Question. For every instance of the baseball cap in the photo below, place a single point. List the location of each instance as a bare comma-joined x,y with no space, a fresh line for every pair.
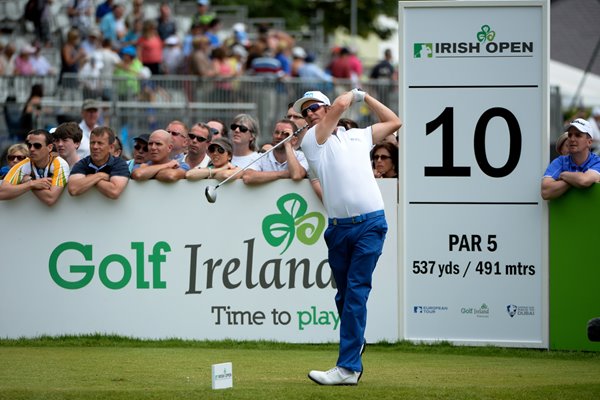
313,95
90,104
224,143
129,50
582,126
298,52
144,137
203,3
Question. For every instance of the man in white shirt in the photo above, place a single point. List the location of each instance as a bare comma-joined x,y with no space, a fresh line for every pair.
340,159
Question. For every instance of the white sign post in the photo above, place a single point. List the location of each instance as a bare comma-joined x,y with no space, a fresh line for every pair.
474,102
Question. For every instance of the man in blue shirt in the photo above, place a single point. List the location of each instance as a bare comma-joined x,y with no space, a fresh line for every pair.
100,169
580,169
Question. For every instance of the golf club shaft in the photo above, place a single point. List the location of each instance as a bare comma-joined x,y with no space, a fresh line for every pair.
263,155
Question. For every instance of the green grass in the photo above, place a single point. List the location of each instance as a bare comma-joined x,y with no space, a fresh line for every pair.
107,367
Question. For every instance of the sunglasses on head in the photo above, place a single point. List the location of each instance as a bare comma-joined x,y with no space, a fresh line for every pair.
139,147
242,128
36,146
213,147
381,157
13,158
312,108
197,137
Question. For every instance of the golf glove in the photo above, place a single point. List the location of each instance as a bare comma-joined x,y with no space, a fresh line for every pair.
358,95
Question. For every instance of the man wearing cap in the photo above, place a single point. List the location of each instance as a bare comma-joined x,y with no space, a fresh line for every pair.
340,159
160,166
580,169
108,174
140,151
89,114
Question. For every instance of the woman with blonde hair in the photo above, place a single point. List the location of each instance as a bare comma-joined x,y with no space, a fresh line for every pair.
14,155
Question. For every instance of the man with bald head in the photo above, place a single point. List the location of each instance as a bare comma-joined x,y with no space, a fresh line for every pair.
160,166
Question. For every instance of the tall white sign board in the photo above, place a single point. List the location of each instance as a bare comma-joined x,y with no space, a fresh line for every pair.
474,102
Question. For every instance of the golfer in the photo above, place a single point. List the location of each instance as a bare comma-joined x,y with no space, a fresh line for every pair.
357,226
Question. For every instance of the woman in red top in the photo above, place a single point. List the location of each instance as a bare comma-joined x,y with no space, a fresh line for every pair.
150,47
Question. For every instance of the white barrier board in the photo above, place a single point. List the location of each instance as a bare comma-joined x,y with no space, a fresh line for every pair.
162,262
474,101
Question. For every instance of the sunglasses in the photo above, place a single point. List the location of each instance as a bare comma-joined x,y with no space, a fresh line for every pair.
381,157
36,146
139,147
199,138
213,148
312,108
14,158
242,128
175,133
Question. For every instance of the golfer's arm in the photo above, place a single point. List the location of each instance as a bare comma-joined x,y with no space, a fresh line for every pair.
389,121
552,189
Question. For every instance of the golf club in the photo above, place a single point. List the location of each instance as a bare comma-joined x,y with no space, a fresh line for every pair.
211,191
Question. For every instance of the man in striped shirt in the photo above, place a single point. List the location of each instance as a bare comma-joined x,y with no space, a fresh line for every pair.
41,173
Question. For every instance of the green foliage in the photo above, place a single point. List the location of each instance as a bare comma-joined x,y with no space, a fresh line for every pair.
337,14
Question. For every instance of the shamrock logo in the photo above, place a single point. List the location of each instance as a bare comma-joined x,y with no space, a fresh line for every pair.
292,221
486,33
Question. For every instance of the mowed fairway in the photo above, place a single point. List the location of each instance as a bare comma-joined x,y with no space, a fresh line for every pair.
118,368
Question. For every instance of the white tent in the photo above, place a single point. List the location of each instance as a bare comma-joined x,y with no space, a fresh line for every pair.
568,79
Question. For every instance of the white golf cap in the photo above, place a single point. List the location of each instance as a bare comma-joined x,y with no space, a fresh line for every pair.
313,95
582,126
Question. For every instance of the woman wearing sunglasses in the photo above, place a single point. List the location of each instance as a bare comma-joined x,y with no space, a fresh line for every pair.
384,160
244,132
220,152
15,154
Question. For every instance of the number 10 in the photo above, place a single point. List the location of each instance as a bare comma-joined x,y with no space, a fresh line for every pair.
446,121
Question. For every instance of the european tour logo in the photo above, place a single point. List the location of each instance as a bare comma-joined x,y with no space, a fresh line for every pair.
292,221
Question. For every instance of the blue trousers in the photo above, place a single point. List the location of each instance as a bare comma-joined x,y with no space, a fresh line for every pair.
354,249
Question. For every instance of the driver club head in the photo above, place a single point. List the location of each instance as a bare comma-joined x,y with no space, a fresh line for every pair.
211,193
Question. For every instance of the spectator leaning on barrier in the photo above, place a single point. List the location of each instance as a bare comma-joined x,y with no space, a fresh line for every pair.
221,168
140,151
244,132
281,163
580,169
41,173
102,170
160,166
67,138
198,139
179,131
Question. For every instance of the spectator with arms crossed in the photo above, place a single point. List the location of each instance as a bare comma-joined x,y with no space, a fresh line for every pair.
160,166
580,168
109,174
283,162
41,173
